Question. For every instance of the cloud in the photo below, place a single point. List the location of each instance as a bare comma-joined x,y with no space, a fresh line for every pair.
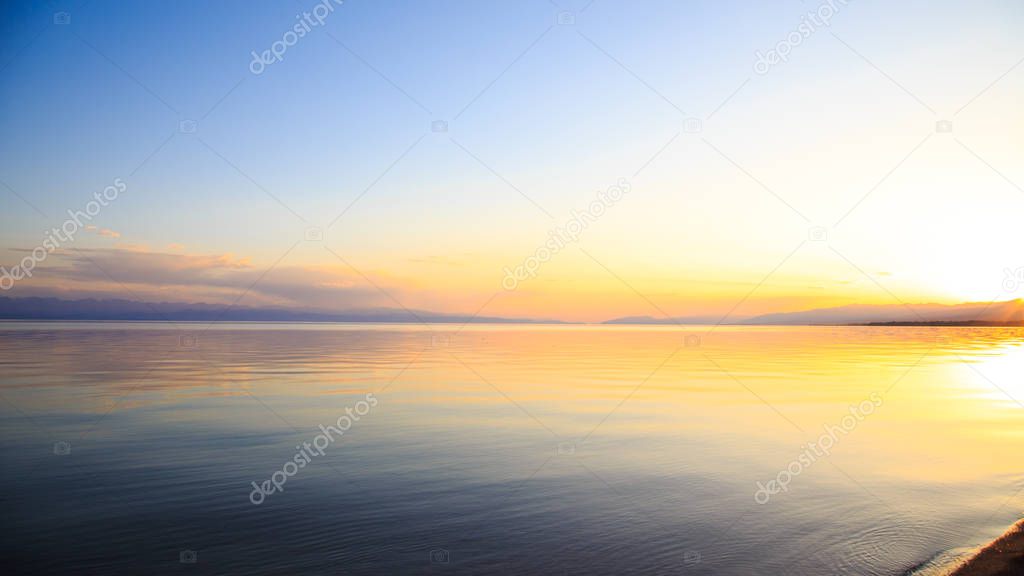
138,273
435,260
106,232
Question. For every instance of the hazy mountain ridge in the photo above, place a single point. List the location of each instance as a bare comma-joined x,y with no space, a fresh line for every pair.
48,308
1010,313
662,321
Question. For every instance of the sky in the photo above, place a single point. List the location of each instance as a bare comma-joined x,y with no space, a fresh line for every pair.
559,159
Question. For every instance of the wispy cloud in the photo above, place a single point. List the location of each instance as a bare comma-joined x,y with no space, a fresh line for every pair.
213,278
105,232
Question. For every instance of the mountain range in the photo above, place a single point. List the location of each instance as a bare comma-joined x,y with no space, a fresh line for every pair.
1007,313
48,308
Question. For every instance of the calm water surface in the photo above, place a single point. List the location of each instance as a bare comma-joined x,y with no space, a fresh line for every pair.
505,449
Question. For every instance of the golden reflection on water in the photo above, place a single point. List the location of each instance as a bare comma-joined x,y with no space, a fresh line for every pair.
953,398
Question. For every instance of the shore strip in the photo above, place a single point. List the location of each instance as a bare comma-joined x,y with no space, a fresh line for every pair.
1003,557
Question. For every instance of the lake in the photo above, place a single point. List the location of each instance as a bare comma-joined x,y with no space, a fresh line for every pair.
158,448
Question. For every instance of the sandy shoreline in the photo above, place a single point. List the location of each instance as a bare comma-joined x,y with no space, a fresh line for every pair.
1002,557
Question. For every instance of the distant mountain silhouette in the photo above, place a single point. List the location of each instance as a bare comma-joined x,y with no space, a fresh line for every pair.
662,321
40,308
1009,313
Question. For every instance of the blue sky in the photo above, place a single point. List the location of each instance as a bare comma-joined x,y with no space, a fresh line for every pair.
555,111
